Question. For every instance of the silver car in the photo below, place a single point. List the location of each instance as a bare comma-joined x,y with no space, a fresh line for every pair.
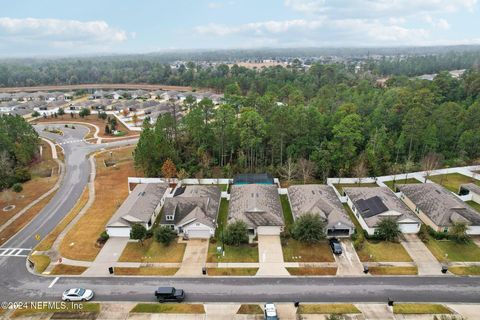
77,294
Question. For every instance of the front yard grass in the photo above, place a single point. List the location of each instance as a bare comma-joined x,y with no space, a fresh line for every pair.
87,307
452,181
401,181
474,205
67,269
40,262
447,250
145,271
181,308
243,253
110,191
232,271
393,271
250,309
296,251
341,186
334,308
383,251
222,217
307,271
465,271
420,308
153,251
287,211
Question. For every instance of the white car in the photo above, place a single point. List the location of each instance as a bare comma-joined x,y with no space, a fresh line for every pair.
77,294
270,312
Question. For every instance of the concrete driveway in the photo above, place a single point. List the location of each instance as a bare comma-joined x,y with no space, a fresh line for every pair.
427,264
270,256
195,258
348,262
107,257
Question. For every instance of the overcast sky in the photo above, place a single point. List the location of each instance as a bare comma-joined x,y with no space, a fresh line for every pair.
65,27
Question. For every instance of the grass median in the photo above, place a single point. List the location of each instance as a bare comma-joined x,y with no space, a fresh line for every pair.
168,308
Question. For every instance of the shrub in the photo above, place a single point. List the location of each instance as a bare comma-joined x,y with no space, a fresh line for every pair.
309,228
17,187
388,229
35,114
236,233
103,237
138,232
165,235
85,112
149,233
22,174
423,233
437,235
458,232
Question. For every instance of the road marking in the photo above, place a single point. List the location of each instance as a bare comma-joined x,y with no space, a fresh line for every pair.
53,282
13,252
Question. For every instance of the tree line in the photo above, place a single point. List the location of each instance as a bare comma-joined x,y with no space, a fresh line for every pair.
327,121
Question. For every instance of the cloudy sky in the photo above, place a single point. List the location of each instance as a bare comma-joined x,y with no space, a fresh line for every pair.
66,27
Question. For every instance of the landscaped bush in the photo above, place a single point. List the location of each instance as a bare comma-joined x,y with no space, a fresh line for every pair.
236,233
22,174
103,237
17,187
309,228
437,235
165,235
423,233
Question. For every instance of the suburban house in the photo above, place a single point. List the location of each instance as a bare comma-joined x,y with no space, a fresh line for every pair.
322,200
370,205
438,207
193,210
142,206
471,189
258,205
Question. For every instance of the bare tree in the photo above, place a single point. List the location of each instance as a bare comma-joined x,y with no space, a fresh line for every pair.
360,170
288,170
306,169
429,163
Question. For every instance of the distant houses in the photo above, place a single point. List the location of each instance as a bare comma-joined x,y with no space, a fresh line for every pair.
438,207
371,205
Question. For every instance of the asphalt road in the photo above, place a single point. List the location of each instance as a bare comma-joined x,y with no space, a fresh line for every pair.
18,284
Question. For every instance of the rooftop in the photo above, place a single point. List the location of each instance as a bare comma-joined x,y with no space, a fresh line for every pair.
439,204
256,205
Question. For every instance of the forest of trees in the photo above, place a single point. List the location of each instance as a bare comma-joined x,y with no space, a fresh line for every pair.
327,121
18,147
156,69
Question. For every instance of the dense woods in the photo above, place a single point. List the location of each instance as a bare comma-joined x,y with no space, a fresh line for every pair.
18,147
327,121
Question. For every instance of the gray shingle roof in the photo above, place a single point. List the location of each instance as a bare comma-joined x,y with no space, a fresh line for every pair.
139,205
439,204
256,205
392,206
198,202
318,199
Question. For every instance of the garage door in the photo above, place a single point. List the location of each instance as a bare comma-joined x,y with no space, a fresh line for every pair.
268,231
198,233
409,227
119,232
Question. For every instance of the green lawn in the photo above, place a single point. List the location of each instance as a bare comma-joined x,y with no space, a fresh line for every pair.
243,253
232,271
465,271
153,251
287,211
77,308
393,271
41,262
383,251
334,308
168,308
420,308
462,252
340,186
452,181
250,309
222,217
474,205
296,251
401,181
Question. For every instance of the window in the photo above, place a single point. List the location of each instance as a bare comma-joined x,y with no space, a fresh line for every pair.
169,218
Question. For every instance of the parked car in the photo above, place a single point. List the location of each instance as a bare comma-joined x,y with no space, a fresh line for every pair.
164,294
77,294
336,246
270,312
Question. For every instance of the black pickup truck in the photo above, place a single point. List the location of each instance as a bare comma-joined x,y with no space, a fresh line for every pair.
164,294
